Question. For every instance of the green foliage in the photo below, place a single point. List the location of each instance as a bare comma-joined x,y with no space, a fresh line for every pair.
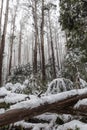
59,121
59,85
73,23
73,15
73,60
21,73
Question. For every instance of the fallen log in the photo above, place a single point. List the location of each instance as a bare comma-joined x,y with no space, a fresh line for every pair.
45,105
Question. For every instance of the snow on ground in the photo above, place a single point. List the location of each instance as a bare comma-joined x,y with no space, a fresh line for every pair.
31,125
2,110
14,98
73,125
81,102
66,117
1,100
15,87
48,117
83,83
53,117
35,102
9,97
9,86
31,101
3,91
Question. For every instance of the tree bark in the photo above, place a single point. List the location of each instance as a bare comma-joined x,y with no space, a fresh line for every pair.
3,40
34,11
1,9
57,53
20,43
39,47
48,41
42,44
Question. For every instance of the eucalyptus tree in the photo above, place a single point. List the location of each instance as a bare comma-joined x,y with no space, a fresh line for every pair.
36,8
32,11
49,8
35,18
42,43
2,47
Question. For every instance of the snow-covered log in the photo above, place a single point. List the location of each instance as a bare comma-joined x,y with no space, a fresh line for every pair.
58,103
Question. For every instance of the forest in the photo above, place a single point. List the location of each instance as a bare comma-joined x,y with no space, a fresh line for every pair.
43,65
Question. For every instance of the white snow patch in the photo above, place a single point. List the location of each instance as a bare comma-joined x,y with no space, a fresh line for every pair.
73,125
1,100
3,91
2,111
83,83
81,102
48,117
35,102
9,86
30,125
16,87
14,98
26,82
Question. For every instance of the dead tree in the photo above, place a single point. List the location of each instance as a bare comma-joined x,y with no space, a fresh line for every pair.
63,106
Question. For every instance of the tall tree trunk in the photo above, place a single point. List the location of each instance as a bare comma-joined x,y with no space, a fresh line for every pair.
42,44
57,54
1,9
28,50
48,42
20,42
32,50
39,47
3,40
52,47
14,58
10,60
11,48
34,10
